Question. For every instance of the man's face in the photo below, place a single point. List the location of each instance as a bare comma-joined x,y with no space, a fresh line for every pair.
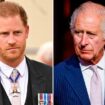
13,35
88,38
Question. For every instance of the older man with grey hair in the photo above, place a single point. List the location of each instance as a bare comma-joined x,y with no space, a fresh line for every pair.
79,80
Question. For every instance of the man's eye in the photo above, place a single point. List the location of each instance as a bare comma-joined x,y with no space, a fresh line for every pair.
4,33
17,32
76,32
91,35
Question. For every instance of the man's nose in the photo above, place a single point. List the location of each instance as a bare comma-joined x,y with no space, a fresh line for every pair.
84,40
11,39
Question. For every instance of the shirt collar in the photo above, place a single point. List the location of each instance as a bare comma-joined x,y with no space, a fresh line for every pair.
7,70
84,67
100,64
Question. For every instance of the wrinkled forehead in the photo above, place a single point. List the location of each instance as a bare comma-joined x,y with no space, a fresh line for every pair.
90,17
92,10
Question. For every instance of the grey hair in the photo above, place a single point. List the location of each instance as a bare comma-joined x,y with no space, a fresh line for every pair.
97,8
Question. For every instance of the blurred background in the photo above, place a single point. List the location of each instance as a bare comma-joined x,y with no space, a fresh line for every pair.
63,43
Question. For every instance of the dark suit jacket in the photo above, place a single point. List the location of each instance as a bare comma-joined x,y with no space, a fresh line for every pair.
40,78
69,86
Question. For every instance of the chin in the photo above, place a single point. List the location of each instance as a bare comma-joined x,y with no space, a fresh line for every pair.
13,57
86,57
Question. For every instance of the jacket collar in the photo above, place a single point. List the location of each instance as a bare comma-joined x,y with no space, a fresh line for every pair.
75,78
37,80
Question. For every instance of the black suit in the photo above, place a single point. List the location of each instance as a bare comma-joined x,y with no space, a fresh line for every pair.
40,81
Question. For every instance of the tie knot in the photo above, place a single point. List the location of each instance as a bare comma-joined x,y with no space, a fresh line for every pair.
14,75
94,68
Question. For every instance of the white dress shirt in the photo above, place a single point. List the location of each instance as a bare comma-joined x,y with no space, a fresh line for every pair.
5,72
87,74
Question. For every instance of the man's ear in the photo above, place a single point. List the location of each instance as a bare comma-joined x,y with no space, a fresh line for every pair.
27,31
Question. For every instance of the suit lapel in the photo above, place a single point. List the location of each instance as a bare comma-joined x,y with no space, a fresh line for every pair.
75,78
1,100
37,81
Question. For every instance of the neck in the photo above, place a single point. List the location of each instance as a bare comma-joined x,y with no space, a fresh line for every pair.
14,62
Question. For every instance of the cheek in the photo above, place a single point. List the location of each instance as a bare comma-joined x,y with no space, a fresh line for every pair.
3,44
22,42
76,43
76,40
98,44
22,39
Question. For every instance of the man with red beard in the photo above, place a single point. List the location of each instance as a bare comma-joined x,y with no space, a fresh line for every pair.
33,77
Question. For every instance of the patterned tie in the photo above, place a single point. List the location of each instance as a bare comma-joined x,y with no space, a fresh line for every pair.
95,88
15,92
